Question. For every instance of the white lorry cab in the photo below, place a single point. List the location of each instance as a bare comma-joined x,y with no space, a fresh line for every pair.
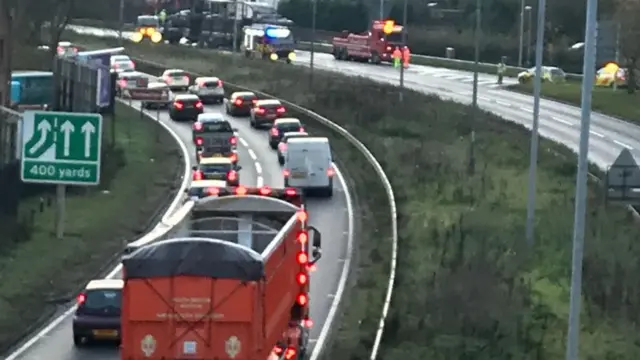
308,165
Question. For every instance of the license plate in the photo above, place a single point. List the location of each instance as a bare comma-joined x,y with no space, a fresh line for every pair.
216,155
105,333
271,116
298,174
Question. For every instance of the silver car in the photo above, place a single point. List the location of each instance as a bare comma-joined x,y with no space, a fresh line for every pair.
209,89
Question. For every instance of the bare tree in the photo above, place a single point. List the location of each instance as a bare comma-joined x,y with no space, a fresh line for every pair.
627,15
41,20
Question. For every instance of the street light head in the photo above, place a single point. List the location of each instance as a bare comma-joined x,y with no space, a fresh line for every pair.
432,4
527,8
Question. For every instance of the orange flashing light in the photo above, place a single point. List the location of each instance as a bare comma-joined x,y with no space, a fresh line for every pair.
388,27
302,216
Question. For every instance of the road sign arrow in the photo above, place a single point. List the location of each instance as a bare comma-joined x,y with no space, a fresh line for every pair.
67,128
87,129
44,127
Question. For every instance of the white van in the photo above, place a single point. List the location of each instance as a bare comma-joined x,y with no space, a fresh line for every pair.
308,165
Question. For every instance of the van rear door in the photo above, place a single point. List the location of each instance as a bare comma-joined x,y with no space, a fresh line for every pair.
309,164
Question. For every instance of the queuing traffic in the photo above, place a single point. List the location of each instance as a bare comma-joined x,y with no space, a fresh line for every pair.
307,169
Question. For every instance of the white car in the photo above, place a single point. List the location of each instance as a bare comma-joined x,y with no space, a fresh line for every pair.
176,79
209,90
122,63
308,165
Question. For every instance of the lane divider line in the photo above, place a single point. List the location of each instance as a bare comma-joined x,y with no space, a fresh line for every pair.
623,144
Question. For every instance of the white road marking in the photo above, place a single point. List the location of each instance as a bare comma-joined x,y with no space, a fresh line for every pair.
527,109
623,144
251,153
258,168
564,121
503,103
244,142
596,133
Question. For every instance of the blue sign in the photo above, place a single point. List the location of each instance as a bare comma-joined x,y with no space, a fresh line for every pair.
101,60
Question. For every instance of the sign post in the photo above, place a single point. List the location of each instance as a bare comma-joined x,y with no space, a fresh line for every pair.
63,149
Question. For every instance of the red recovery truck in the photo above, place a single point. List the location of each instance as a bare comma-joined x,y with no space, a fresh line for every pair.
375,45
232,284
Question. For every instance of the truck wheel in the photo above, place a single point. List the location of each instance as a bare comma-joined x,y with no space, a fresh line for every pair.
375,58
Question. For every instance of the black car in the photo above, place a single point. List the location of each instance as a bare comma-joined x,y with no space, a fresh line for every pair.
241,103
186,108
282,126
217,169
97,317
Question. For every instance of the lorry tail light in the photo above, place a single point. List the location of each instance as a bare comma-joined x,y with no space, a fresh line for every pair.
303,237
290,353
302,279
234,157
213,191
291,195
302,299
302,258
265,191
302,216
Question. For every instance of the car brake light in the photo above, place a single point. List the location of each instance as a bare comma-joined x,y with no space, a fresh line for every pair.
282,147
331,172
178,105
132,64
123,83
233,140
274,132
281,110
81,298
199,141
199,105
260,110
220,83
197,175
60,50
286,172
168,79
238,102
254,101
232,175
301,129
197,126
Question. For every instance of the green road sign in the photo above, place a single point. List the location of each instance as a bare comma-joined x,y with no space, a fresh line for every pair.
61,148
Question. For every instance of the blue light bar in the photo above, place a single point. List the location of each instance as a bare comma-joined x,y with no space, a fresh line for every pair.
277,32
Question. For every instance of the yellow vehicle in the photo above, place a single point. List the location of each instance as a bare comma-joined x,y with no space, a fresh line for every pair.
269,42
203,188
549,74
147,27
610,74
217,169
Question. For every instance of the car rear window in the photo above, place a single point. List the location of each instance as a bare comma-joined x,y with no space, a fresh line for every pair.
178,74
270,106
215,127
188,100
215,168
209,84
103,300
289,127
248,97
287,138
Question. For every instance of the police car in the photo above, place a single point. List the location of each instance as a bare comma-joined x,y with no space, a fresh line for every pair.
217,169
204,188
267,41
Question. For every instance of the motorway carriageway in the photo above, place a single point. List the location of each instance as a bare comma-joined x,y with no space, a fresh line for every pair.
333,217
559,122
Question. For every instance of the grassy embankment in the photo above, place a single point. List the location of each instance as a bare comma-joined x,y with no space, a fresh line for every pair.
467,285
39,273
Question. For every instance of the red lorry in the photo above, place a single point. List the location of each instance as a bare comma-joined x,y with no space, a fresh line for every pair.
376,45
233,285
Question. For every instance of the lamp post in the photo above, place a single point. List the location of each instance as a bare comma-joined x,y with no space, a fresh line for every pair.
527,9
121,23
474,107
313,39
404,43
521,33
